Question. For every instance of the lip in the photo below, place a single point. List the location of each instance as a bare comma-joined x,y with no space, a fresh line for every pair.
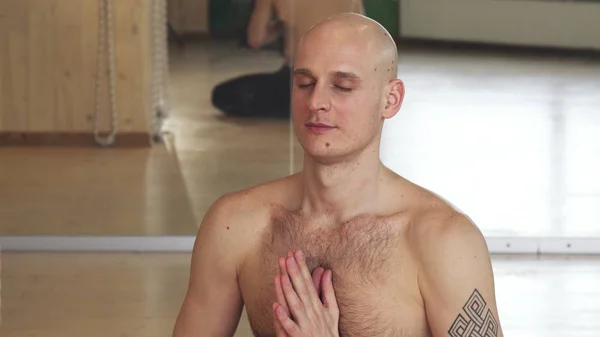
319,127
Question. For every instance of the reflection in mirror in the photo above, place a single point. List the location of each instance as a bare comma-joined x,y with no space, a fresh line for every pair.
230,86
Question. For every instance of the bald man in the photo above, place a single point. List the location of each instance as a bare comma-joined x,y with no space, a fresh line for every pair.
268,94
402,261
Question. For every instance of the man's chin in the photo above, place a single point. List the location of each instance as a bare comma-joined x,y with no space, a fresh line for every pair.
324,156
317,149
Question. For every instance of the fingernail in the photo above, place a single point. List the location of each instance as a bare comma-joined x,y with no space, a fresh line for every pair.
290,261
299,255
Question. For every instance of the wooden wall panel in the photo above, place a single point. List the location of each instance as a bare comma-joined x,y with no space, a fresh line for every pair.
189,16
48,61
196,15
42,67
174,14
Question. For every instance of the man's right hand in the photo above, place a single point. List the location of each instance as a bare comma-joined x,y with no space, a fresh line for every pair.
317,309
317,276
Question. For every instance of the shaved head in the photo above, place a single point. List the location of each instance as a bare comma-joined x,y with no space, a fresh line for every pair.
358,30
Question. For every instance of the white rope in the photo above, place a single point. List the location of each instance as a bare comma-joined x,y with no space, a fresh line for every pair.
160,98
106,40
159,109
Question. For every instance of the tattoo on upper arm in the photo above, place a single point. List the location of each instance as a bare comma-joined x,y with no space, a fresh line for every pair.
478,320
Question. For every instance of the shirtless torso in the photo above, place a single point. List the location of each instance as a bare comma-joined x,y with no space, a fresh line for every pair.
404,261
375,270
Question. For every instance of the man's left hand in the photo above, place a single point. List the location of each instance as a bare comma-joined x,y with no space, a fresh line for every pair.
299,311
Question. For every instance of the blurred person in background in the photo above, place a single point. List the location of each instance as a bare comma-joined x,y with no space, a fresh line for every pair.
268,94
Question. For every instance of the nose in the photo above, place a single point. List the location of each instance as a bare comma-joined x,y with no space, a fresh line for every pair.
319,99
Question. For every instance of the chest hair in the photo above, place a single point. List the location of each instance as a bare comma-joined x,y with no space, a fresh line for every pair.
360,246
358,252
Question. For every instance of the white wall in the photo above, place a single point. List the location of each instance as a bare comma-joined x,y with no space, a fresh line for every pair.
537,22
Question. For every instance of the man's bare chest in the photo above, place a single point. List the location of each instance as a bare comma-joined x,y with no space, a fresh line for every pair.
371,278
362,245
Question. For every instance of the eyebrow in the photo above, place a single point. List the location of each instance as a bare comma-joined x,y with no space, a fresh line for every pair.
348,75
303,71
336,74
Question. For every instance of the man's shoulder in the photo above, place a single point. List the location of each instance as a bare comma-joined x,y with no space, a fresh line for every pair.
437,225
234,222
249,206
445,243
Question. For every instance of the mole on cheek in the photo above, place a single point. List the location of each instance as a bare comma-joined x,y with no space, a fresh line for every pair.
327,144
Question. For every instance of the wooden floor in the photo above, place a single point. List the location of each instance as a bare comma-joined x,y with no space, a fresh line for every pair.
513,140
61,191
138,295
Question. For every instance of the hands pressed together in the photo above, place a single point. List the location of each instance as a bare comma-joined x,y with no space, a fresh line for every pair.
306,305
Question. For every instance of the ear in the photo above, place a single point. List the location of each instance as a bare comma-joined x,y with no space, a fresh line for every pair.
394,99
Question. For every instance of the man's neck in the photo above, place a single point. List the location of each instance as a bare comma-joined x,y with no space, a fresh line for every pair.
345,189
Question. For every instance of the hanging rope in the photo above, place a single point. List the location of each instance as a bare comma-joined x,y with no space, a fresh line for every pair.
106,42
159,109
160,98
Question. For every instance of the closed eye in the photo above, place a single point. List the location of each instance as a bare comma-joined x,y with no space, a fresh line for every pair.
304,86
343,89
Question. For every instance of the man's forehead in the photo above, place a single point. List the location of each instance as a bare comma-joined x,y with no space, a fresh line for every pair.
342,57
332,47
335,66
